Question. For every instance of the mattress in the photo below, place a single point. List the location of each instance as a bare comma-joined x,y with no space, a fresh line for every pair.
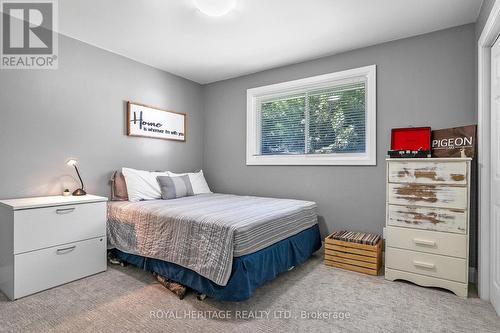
205,232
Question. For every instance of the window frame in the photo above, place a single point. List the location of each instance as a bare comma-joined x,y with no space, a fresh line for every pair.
254,95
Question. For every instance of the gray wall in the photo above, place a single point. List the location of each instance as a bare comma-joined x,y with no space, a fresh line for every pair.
79,111
426,80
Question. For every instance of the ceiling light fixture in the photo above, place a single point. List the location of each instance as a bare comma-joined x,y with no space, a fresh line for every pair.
215,7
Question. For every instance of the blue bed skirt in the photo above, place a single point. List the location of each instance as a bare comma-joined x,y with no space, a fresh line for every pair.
248,273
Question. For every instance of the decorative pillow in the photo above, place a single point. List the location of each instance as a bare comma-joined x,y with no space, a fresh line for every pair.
118,187
175,187
142,185
198,182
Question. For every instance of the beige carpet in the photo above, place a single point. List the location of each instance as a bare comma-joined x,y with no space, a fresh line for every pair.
128,300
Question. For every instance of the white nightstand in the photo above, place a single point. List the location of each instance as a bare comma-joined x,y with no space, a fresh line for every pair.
49,241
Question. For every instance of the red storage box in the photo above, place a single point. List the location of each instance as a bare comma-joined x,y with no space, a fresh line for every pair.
412,138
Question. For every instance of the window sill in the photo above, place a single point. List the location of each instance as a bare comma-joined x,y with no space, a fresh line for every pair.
337,159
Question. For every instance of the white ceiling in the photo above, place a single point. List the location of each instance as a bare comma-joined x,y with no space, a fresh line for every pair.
258,34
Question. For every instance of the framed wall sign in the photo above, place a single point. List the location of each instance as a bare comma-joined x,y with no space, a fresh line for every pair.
148,121
451,142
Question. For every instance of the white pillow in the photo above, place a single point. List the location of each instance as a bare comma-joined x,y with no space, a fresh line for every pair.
142,185
198,182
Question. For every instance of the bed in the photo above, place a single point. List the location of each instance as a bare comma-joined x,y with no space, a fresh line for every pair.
221,245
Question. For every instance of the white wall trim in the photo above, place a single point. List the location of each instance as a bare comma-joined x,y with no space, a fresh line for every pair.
486,40
290,87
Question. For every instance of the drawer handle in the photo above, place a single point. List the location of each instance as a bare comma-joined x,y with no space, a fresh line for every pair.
423,264
424,242
65,211
66,250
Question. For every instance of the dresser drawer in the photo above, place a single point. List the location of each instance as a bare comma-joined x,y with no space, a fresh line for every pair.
441,196
427,218
427,241
428,173
45,227
39,270
449,268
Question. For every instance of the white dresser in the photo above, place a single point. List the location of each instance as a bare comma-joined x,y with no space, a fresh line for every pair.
49,241
427,224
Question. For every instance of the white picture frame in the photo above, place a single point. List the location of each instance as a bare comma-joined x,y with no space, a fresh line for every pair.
152,122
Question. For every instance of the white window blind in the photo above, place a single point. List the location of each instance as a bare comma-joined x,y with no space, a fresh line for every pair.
328,119
325,121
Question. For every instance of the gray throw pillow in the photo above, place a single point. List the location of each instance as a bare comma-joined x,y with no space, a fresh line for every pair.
175,187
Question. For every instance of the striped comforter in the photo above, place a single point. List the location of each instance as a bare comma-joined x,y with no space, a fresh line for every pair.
204,232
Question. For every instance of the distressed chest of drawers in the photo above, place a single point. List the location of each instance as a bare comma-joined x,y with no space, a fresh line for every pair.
427,222
49,241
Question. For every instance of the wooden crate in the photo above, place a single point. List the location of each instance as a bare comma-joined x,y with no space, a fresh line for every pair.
356,257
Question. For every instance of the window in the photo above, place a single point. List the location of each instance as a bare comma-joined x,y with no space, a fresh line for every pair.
322,120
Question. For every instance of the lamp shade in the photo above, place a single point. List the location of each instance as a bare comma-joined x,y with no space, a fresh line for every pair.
72,162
